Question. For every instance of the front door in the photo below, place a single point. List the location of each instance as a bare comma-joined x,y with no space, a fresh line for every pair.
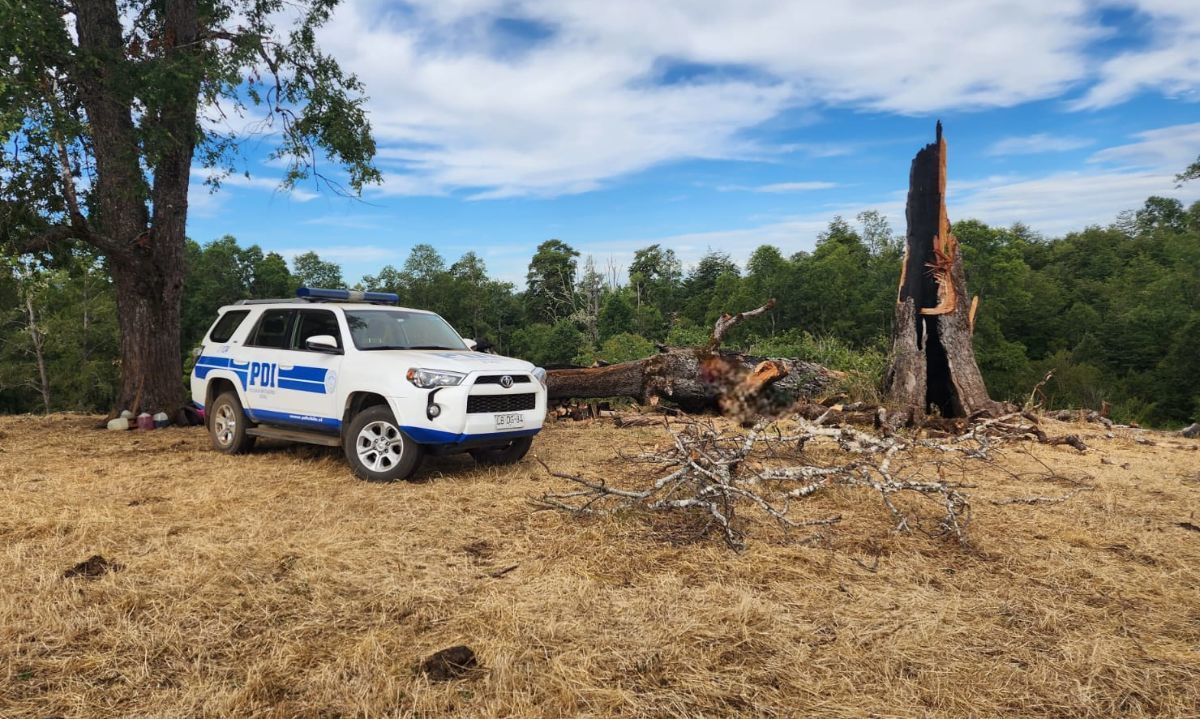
305,380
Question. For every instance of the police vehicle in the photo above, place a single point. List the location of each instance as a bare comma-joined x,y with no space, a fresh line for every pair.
343,368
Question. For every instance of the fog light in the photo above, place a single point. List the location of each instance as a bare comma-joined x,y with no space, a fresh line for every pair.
434,410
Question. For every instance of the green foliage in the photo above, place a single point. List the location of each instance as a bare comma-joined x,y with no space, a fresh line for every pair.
309,270
616,317
654,277
687,334
548,345
65,317
625,347
550,283
1191,172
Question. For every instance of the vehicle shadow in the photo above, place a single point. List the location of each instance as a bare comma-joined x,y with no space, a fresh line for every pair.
432,467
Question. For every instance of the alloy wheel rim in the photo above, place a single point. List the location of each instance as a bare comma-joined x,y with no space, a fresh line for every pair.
225,425
379,446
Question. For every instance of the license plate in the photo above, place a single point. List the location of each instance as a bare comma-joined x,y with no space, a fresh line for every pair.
508,421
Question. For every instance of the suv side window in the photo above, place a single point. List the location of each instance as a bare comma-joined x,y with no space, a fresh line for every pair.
227,325
315,322
273,330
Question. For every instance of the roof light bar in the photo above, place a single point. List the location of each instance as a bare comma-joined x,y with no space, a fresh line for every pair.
315,294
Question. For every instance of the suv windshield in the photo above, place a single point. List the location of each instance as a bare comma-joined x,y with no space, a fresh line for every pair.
401,330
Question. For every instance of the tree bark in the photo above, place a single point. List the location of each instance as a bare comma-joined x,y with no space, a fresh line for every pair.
933,365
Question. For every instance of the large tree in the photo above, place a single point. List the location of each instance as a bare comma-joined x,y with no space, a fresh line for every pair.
550,283
102,113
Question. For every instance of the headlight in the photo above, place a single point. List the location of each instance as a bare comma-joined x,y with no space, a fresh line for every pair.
540,374
430,378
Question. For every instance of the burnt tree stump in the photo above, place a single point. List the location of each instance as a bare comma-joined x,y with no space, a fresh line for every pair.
933,365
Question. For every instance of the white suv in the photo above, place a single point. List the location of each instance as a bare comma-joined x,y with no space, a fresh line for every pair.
350,369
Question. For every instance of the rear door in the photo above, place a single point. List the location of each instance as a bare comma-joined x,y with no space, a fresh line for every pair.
266,344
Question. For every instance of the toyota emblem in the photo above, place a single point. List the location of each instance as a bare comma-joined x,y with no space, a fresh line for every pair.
506,381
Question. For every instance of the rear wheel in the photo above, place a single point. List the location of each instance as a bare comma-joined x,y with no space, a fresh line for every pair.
377,449
510,453
227,425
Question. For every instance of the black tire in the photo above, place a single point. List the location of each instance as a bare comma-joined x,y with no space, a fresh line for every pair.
511,453
227,425
377,449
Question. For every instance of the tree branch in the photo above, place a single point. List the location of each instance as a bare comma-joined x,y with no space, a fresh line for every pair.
727,322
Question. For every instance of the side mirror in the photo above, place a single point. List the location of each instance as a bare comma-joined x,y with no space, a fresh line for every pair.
323,343
471,344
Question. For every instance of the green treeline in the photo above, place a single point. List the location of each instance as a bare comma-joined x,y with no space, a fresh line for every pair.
1115,311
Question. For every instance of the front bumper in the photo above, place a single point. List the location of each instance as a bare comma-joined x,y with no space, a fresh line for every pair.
456,426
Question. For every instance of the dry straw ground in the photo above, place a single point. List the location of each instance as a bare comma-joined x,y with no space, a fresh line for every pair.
275,585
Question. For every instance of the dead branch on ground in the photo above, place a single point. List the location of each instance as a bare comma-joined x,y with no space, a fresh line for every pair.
720,474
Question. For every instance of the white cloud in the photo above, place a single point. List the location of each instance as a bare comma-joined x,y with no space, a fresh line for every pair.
1037,143
1166,148
1065,201
608,89
1170,63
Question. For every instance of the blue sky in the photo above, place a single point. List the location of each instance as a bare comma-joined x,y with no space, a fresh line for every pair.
703,125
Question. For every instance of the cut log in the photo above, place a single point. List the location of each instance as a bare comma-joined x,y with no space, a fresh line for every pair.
698,379
933,365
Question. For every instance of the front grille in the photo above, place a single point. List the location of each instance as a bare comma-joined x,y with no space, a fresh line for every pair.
495,379
492,403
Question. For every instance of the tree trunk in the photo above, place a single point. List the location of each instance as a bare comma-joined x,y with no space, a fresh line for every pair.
145,251
37,339
698,379
695,380
933,364
148,314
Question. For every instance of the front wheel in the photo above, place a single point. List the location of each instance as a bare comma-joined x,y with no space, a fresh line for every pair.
377,449
510,453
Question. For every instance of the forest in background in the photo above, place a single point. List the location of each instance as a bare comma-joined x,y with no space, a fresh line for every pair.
1114,311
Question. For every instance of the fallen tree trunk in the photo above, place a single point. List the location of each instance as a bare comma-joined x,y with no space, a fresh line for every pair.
698,379
933,364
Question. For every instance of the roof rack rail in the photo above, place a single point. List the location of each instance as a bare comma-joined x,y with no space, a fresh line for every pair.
317,294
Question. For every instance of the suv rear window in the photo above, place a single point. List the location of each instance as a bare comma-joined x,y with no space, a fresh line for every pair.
227,325
274,329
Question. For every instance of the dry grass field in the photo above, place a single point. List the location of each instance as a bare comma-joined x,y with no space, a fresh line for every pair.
276,585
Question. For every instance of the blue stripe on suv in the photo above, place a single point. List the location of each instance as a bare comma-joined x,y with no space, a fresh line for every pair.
424,435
